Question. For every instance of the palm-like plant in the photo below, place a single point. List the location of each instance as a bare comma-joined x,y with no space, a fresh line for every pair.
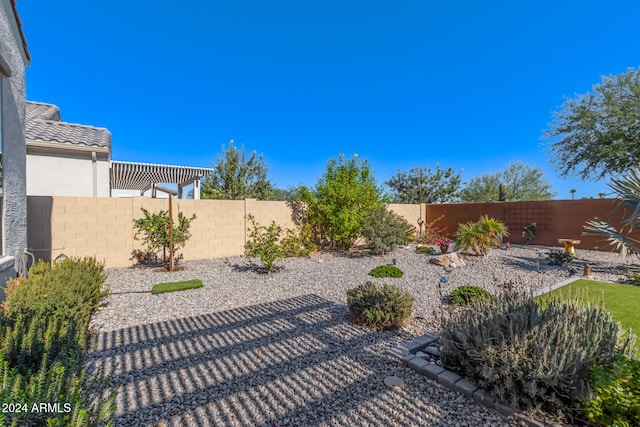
480,236
627,189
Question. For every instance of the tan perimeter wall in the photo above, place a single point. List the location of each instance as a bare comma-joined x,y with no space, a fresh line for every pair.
103,227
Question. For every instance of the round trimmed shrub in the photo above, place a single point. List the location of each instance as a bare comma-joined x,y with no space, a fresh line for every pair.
465,295
380,305
386,271
425,249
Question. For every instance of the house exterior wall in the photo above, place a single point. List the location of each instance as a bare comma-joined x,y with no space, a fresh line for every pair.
14,206
66,174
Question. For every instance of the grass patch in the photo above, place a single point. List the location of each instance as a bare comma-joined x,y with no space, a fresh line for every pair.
176,286
619,299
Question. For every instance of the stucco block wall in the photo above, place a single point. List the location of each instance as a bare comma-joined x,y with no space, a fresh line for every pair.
14,212
103,227
49,174
554,218
409,212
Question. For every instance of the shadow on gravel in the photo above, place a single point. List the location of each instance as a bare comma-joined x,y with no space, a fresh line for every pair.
297,362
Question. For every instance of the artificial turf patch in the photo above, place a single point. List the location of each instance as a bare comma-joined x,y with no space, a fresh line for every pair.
176,286
619,299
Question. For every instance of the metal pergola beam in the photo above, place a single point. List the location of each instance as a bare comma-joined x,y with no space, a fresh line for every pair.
142,176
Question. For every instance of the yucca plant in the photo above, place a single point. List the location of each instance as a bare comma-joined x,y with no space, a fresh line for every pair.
627,189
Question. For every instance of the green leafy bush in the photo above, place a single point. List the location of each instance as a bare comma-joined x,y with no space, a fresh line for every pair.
386,271
343,197
153,230
633,278
425,249
480,236
39,268
533,354
264,243
380,305
559,257
384,230
298,242
528,233
44,335
465,295
616,398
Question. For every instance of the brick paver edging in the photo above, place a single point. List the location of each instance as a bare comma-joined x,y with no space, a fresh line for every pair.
405,352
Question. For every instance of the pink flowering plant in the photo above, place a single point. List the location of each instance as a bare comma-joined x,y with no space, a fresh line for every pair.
443,240
433,232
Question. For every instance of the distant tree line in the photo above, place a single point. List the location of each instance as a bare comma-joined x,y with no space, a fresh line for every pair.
237,176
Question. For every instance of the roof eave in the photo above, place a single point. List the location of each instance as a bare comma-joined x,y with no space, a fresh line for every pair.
25,49
66,146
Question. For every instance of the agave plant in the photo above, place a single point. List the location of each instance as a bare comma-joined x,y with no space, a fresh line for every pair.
480,236
627,189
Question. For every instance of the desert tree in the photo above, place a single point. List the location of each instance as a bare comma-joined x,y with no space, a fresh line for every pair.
596,134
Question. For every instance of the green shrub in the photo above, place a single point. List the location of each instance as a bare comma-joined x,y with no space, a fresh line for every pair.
264,243
44,335
532,354
480,236
633,278
39,268
425,249
344,196
386,271
153,230
616,399
380,306
559,257
465,295
384,230
298,242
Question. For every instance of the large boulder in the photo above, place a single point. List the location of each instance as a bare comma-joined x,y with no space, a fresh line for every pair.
448,260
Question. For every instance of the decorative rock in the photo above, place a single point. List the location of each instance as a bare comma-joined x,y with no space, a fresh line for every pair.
432,350
421,354
394,382
452,260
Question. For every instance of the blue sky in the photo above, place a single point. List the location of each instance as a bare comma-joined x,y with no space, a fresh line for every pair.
466,84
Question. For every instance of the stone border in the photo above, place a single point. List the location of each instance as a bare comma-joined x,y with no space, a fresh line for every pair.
559,285
405,352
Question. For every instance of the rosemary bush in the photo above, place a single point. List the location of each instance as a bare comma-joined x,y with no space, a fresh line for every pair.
44,335
533,354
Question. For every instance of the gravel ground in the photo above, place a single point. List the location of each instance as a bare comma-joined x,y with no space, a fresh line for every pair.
250,349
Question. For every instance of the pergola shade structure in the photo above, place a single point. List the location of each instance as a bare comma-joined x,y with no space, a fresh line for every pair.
145,176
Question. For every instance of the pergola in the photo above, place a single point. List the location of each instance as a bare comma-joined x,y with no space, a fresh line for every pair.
145,176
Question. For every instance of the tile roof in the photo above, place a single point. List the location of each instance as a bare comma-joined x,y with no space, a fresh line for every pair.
41,110
43,124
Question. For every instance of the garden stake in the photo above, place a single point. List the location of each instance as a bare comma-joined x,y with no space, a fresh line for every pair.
170,234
